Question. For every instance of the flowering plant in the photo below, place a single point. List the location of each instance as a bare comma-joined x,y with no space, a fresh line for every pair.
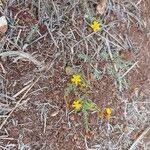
79,87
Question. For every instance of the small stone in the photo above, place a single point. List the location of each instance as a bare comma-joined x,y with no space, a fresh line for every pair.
55,113
3,24
1,4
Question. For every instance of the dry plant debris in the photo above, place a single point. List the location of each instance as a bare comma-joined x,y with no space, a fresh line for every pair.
74,75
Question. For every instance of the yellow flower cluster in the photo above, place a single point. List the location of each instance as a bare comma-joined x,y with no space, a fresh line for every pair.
77,104
96,26
76,79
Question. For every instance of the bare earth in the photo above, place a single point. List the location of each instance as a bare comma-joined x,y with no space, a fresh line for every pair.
45,36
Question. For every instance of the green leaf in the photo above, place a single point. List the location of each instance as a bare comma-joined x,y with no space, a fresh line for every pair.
104,55
84,57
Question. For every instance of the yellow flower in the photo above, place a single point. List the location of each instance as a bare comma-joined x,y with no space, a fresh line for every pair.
108,112
77,104
95,25
76,79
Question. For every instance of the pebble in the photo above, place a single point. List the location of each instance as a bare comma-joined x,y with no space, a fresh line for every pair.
3,24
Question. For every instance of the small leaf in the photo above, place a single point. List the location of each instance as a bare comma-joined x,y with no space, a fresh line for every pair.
104,55
83,57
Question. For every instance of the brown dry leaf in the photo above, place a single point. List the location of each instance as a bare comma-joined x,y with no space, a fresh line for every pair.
89,134
126,55
3,24
101,7
134,135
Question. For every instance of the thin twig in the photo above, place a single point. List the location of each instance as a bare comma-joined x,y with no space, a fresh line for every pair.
129,69
22,90
22,55
139,138
18,103
111,56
